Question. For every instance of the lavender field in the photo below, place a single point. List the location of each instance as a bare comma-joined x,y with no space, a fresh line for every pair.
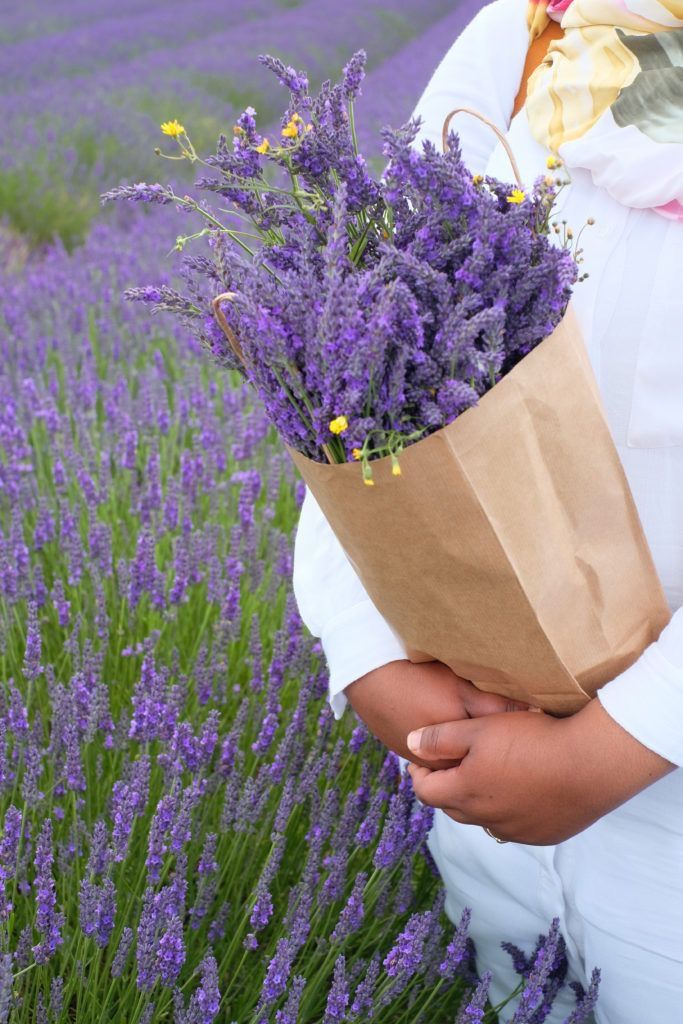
187,834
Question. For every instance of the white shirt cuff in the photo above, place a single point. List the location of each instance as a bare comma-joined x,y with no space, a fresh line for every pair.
647,699
356,641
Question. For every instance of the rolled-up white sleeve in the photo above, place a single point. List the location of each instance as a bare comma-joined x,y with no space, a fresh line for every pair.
335,606
647,699
482,69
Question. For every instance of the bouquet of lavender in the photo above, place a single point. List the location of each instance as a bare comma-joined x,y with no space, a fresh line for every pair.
370,315
367,314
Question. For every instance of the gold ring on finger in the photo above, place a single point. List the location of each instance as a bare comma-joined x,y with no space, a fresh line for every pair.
490,833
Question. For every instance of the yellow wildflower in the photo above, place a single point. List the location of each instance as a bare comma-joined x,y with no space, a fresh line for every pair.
477,179
395,468
237,130
356,452
296,119
290,131
368,481
264,147
553,161
339,425
172,128
516,196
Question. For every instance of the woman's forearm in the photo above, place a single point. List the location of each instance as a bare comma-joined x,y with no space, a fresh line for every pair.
402,696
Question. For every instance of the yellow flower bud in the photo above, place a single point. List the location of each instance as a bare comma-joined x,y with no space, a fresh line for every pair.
395,468
172,128
339,425
477,179
357,453
263,147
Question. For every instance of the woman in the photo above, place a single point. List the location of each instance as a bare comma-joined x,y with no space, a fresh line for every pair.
588,810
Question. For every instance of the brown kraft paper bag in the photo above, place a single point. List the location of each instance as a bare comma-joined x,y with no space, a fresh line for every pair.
510,547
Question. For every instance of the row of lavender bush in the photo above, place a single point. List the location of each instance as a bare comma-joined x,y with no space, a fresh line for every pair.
187,834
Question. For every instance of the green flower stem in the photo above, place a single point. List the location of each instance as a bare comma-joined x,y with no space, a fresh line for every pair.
352,126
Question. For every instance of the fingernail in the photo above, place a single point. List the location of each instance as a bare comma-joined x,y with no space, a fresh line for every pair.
413,740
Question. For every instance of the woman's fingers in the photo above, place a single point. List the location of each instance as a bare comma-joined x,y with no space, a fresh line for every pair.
438,789
445,740
478,702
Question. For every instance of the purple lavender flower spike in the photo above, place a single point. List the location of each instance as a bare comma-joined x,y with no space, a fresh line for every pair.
472,1010
361,1007
217,926
338,996
205,1001
97,910
6,981
367,830
541,977
277,973
49,920
289,1014
262,910
9,852
32,667
56,996
457,950
170,951
295,81
122,951
359,736
405,891
405,956
354,73
394,834
585,1000
139,193
352,914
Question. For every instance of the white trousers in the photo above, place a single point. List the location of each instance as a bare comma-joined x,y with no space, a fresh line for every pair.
617,888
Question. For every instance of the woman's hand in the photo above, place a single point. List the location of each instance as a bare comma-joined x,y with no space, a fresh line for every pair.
533,778
401,696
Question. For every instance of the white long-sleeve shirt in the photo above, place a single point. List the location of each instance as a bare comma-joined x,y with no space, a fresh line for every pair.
631,313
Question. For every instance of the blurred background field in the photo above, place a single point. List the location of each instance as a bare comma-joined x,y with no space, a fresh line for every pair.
85,86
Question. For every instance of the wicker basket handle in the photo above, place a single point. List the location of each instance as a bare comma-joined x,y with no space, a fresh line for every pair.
492,126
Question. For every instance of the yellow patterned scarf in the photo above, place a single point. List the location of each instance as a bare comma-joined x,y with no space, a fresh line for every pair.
608,97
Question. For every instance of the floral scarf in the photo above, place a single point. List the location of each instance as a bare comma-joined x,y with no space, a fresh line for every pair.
608,97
